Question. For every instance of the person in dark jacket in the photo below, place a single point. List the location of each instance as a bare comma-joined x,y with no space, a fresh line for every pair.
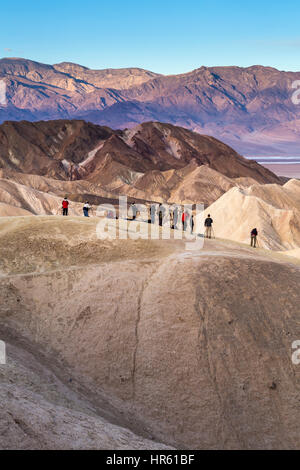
208,226
192,223
254,234
162,215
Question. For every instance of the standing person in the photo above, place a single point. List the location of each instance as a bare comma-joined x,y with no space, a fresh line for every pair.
133,210
185,219
171,218
153,213
208,226
86,209
161,214
65,206
192,223
175,217
165,215
254,234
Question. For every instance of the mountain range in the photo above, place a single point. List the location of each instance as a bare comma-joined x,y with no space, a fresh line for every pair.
250,108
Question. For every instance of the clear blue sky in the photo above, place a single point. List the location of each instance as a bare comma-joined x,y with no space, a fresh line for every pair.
166,36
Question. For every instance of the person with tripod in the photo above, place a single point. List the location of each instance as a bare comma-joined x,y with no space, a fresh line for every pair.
254,234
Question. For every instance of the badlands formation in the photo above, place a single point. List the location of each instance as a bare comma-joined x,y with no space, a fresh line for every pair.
273,209
143,344
42,162
153,162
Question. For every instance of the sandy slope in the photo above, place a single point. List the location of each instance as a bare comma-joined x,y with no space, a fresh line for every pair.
18,199
191,348
274,210
295,253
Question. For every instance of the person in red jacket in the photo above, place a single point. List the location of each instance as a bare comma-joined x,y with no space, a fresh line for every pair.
185,217
65,206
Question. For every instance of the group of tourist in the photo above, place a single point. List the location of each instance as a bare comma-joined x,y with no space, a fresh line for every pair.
174,216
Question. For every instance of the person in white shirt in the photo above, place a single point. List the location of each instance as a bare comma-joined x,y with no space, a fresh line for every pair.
86,209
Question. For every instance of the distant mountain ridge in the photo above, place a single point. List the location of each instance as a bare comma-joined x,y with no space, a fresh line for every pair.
75,150
250,108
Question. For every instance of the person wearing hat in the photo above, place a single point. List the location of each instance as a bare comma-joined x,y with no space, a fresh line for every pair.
65,206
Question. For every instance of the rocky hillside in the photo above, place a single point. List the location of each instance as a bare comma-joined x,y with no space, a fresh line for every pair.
44,161
79,150
249,108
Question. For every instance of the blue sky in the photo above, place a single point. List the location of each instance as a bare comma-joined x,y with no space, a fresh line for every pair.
163,36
